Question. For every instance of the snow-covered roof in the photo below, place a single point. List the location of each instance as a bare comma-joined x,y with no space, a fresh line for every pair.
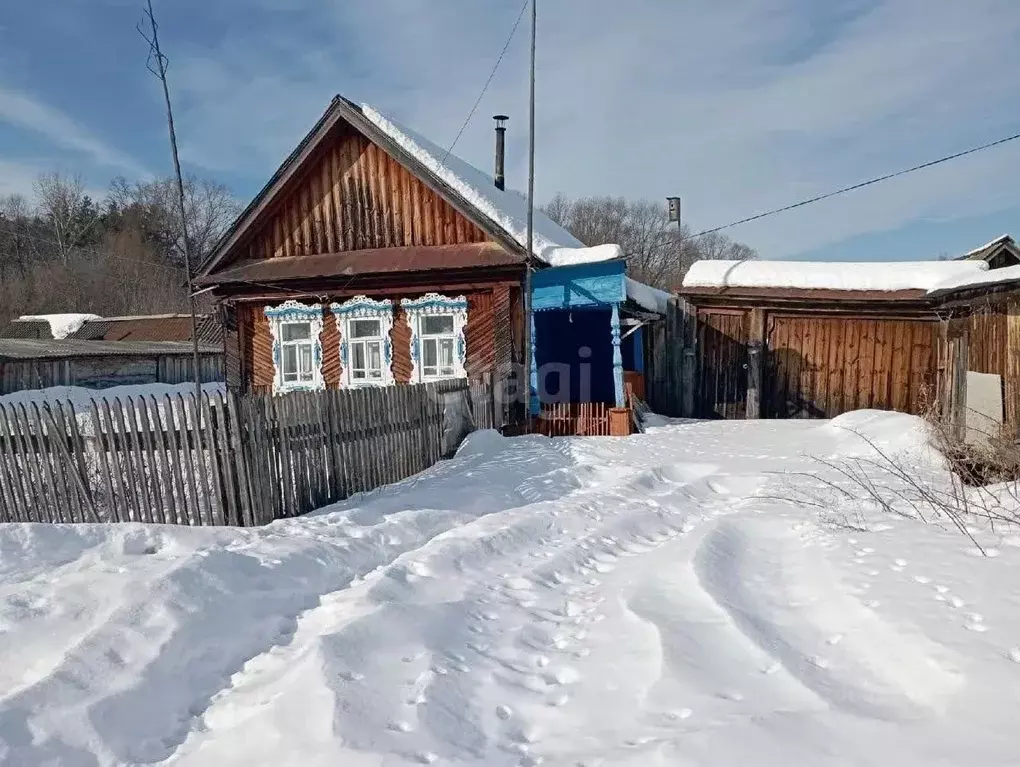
508,209
61,325
1000,240
979,279
815,275
647,297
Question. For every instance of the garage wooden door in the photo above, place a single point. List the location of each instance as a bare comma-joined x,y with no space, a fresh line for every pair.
722,379
819,367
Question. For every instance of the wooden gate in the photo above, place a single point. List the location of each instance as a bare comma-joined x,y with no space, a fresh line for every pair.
819,367
722,377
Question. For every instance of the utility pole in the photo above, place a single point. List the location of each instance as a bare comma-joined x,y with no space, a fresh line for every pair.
528,340
157,64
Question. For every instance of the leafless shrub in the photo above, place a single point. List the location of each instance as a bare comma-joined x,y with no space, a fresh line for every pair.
978,484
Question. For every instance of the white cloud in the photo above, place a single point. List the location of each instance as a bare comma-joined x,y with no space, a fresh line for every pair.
738,106
23,111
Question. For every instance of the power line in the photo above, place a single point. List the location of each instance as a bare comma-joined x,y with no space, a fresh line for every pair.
861,185
485,87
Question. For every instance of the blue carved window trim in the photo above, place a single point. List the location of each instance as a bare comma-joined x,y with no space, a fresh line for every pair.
362,307
292,311
433,304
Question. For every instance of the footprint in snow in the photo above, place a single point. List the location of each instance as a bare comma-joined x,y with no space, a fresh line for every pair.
561,700
834,639
942,589
819,662
400,726
900,562
426,757
922,579
504,712
566,675
1014,654
956,602
975,622
681,714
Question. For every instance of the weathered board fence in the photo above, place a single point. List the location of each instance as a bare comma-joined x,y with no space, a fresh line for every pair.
226,459
770,362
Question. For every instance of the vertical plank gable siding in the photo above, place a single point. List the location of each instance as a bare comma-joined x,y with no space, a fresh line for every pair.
228,460
355,196
994,347
819,367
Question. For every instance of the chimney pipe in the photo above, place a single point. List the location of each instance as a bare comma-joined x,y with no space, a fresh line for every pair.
500,149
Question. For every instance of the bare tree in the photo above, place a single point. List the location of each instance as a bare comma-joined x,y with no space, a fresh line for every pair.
715,246
16,242
658,252
62,201
209,207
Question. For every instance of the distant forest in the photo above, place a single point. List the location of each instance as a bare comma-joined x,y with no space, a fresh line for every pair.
62,251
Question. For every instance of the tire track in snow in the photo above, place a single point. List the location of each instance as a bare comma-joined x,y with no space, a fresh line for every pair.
470,599
873,668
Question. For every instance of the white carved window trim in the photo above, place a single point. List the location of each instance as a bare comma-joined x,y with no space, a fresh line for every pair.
292,311
364,308
432,304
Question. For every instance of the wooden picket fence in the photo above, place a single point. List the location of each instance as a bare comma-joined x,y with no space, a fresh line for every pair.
226,459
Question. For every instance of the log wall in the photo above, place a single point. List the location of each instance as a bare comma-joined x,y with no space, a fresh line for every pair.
488,346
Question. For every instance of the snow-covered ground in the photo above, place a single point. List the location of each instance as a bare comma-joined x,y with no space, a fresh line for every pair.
640,601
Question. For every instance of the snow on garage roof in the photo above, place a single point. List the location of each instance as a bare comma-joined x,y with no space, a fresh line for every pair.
816,275
979,279
507,208
61,325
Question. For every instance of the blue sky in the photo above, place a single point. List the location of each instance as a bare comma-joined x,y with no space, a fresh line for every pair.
738,107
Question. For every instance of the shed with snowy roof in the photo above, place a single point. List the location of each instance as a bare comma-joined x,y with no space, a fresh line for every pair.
781,339
373,257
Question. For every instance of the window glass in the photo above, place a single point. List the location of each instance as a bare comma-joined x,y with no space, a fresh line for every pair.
290,363
365,329
306,361
429,353
446,355
437,324
296,331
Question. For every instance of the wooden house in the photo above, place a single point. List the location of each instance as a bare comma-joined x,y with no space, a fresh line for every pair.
373,257
767,339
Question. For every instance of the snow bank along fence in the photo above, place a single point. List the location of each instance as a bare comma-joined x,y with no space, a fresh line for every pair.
227,459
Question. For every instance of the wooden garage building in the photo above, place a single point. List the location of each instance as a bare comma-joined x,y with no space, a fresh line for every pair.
813,340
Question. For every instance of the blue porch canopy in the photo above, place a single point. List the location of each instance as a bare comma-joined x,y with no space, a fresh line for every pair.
575,321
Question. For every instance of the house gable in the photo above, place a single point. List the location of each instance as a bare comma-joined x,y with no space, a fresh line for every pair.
354,196
348,187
